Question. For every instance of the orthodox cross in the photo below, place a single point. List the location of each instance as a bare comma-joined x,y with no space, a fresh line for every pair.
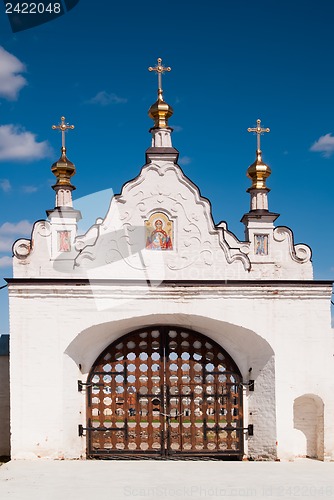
160,69
259,131
63,127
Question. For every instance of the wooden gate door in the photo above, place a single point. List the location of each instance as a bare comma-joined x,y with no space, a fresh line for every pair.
164,392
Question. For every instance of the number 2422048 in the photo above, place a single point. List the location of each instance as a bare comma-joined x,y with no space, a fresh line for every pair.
33,8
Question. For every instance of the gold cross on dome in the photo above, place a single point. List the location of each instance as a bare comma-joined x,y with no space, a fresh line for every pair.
160,69
259,131
63,127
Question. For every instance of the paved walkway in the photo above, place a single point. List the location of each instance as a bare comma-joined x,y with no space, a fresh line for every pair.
152,480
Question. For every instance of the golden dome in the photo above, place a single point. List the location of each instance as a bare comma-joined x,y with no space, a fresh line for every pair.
63,169
160,112
258,172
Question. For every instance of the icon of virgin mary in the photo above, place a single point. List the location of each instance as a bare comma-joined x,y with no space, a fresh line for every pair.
159,239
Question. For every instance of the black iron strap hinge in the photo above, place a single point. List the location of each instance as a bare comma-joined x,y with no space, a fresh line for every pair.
81,429
249,384
217,428
81,385
250,430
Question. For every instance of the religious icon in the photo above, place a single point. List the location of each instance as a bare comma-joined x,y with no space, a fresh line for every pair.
64,241
159,232
261,244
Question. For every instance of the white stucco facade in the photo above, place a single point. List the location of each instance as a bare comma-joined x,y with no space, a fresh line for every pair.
4,397
73,295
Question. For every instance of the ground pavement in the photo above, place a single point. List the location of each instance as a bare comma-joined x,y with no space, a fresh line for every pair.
152,480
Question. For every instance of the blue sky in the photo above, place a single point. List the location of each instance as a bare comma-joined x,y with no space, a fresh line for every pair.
232,62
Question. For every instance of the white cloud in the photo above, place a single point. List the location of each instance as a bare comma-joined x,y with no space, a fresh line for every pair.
18,144
29,189
21,228
177,128
6,261
324,145
10,231
11,82
184,160
5,185
6,244
106,99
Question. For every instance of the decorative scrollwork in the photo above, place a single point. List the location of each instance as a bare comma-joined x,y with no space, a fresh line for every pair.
303,253
299,253
281,233
43,228
21,249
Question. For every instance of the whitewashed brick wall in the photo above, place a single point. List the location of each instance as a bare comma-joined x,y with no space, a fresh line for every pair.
262,414
4,405
58,332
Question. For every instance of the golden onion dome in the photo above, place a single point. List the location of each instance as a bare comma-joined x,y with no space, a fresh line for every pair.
63,169
258,172
160,112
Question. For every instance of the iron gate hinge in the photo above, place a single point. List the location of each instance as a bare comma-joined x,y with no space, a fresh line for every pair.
81,385
249,385
249,429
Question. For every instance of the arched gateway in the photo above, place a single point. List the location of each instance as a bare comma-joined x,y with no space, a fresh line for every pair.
164,392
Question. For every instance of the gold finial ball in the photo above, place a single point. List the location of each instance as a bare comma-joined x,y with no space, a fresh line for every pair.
62,118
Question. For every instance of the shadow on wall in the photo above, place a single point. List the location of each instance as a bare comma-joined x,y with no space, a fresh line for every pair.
308,419
4,398
245,346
